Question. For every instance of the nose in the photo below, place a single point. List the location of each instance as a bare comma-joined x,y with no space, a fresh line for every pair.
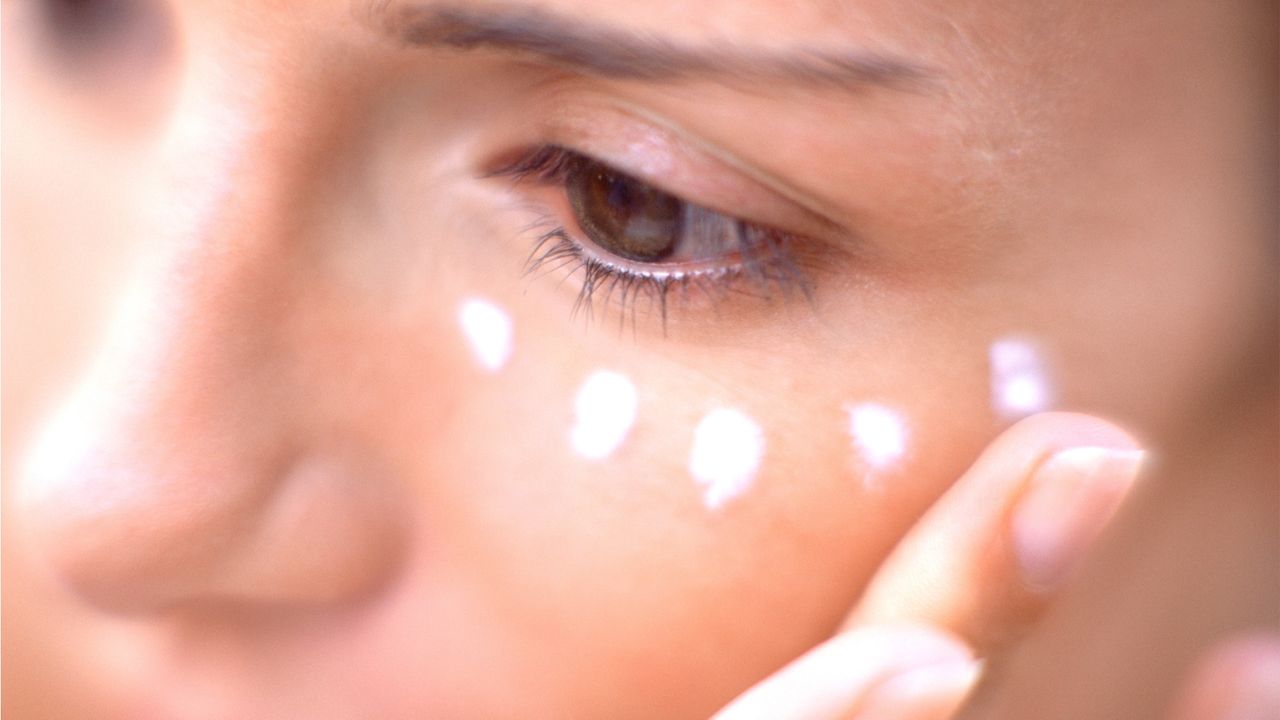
204,456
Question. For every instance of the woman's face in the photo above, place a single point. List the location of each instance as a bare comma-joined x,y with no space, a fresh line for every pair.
563,358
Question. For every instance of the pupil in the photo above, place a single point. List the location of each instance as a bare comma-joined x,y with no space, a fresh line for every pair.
623,215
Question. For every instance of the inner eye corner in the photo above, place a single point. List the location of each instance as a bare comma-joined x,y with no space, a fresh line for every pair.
524,162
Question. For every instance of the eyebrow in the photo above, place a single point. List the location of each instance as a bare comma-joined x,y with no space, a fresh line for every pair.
612,53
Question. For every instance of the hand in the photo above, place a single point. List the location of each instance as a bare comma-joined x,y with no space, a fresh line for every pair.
969,577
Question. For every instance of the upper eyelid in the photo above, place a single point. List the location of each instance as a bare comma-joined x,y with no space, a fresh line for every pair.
524,166
551,163
708,156
643,144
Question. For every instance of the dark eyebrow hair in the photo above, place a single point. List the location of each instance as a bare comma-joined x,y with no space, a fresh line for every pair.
614,53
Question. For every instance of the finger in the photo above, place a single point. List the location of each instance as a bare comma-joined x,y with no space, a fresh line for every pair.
900,672
1238,680
983,559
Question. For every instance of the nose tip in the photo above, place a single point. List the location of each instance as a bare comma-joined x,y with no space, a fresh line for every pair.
135,522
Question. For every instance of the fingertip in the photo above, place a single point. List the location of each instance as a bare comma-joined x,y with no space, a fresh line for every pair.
1068,501
1055,430
983,559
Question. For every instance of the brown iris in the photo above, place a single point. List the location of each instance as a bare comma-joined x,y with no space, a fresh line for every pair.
623,215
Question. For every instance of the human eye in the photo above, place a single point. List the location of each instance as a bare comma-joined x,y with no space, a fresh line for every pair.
629,242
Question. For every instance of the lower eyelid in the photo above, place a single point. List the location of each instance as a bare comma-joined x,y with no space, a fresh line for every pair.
606,285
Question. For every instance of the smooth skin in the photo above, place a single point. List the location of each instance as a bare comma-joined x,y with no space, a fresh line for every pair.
244,430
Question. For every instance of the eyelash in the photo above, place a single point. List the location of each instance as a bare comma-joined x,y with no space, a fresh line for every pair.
766,261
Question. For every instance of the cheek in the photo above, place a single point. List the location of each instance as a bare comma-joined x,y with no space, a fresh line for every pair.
671,519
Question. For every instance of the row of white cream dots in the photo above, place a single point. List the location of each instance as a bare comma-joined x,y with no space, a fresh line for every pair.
728,445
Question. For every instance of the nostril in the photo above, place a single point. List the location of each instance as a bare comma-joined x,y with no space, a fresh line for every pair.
137,526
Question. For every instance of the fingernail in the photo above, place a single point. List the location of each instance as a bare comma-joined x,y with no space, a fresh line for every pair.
1069,500
928,691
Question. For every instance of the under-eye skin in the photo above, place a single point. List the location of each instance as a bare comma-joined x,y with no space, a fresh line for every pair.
632,242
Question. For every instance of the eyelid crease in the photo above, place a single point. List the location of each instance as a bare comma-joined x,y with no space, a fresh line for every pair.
674,134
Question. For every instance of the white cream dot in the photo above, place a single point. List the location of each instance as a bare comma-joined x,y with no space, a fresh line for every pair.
1018,384
879,435
487,328
727,449
605,410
